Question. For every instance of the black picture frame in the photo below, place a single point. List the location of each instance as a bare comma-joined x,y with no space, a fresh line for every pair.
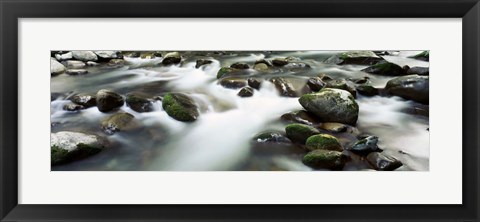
12,10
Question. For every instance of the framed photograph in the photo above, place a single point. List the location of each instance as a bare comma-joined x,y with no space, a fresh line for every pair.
239,110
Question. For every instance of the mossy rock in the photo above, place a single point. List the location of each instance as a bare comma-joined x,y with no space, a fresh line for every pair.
180,107
385,68
325,159
66,147
355,58
342,84
424,56
223,71
117,122
300,132
171,58
240,65
323,142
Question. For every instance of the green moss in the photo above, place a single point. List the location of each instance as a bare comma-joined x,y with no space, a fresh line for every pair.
424,54
306,98
324,142
180,107
300,132
223,71
328,159
59,155
387,67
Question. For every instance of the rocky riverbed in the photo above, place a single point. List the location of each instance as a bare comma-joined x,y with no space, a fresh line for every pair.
240,110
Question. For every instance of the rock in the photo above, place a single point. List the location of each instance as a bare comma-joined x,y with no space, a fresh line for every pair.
284,87
422,71
223,71
63,57
72,107
56,67
264,61
366,145
260,67
424,56
74,64
239,65
246,92
254,83
324,77
355,58
84,56
334,127
292,66
362,80
108,54
299,133
133,54
382,162
202,62
108,100
386,69
90,63
180,107
326,159
367,90
139,103
76,71
115,63
271,137
117,122
412,87
332,105
70,146
233,82
171,58
301,116
85,100
323,142
342,84
279,61
315,84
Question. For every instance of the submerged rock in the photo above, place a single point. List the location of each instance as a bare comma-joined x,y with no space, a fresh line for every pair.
326,159
367,90
254,83
108,100
334,127
355,58
233,82
386,69
84,56
422,71
299,133
202,62
316,84
323,142
172,58
223,71
76,71
366,145
412,87
424,56
284,87
180,107
271,137
260,67
332,105
279,61
66,147
301,116
117,122
382,162
139,103
73,107
84,99
239,65
246,92
56,67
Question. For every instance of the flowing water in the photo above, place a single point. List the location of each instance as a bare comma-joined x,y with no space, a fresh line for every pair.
221,138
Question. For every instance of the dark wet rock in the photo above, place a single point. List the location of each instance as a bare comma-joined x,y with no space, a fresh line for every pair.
223,71
417,109
301,116
386,69
362,80
84,99
56,67
342,84
299,133
367,90
424,56
334,127
74,72
284,87
232,82
84,56
422,71
323,142
74,64
412,87
72,107
332,105
66,147
254,83
64,56
382,162
202,62
279,61
108,100
108,54
117,122
271,137
355,58
316,84
180,107
172,58
239,65
245,92
139,103
325,159
366,145
260,67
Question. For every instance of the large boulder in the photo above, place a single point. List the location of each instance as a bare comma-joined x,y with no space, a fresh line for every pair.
382,162
386,69
342,84
299,133
180,107
66,146
85,56
108,100
139,103
56,67
323,142
332,105
412,87
117,122
325,159
354,57
172,58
